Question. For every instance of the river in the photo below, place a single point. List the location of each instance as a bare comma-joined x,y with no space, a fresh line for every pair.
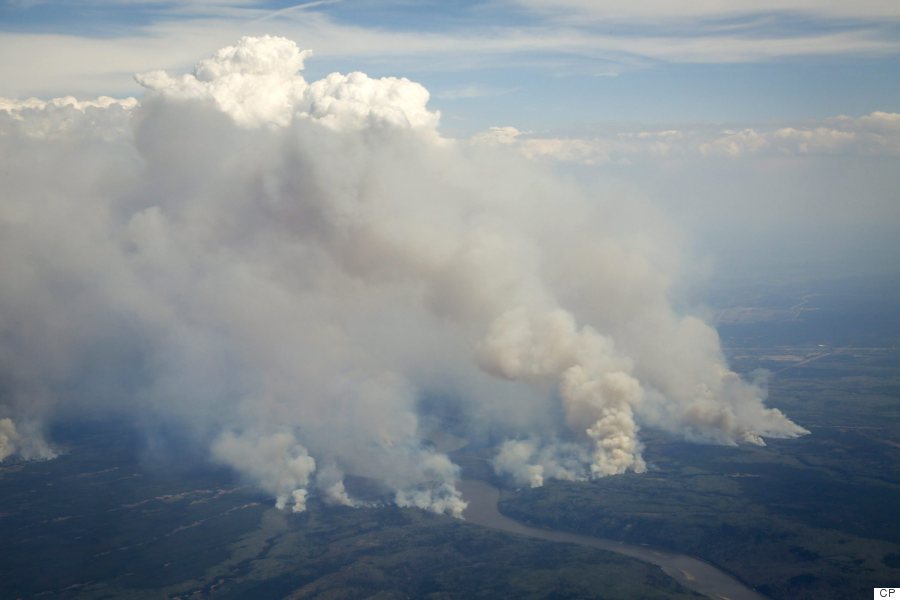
692,573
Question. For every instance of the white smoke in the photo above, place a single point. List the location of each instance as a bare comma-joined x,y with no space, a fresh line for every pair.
279,464
598,392
26,441
330,481
289,268
527,462
8,438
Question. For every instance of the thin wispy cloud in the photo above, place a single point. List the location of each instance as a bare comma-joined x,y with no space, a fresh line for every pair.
304,6
471,91
661,10
46,61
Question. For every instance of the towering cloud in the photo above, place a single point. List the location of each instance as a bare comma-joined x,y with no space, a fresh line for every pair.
292,270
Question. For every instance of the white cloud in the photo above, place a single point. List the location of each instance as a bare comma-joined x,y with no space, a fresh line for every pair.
256,82
67,117
876,134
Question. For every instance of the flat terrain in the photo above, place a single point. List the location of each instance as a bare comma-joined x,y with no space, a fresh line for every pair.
99,522
122,515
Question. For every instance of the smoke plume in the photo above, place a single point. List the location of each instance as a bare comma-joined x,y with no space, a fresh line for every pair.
290,269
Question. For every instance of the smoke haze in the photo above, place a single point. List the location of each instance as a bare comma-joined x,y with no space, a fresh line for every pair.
288,268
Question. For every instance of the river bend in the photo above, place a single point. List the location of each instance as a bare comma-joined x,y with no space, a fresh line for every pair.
690,572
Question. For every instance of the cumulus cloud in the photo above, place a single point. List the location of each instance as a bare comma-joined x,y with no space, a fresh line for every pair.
875,134
255,83
295,271
105,117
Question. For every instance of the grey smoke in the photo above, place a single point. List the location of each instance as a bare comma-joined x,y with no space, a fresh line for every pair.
288,268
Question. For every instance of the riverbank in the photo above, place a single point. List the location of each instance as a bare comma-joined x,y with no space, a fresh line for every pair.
692,573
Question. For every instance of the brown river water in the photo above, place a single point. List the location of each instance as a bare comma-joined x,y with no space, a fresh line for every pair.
690,572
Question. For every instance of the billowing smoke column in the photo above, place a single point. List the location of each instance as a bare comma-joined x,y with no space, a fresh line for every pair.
288,268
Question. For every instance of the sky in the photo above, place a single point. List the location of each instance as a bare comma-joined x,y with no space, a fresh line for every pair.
785,89
544,65
590,82
283,227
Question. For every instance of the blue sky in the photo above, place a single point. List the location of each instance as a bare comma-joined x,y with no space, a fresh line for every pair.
542,65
